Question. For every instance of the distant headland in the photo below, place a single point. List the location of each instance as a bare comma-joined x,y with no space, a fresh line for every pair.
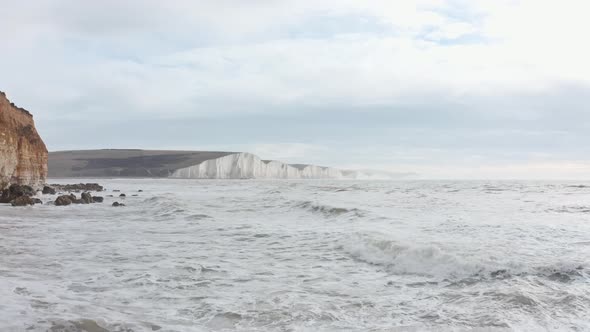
187,164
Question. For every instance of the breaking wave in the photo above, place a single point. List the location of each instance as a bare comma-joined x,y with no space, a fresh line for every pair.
441,264
426,260
164,207
205,255
327,210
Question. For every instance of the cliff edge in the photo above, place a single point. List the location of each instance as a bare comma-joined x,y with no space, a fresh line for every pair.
23,155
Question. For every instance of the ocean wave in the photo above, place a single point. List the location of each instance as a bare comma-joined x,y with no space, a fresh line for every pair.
91,325
437,262
164,206
571,209
327,210
339,188
427,260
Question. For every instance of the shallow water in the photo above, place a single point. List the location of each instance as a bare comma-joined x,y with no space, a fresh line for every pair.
189,255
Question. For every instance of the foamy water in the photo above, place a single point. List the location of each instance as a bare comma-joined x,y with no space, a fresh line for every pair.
301,256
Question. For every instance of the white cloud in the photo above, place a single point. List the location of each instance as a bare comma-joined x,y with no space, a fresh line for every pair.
525,46
174,59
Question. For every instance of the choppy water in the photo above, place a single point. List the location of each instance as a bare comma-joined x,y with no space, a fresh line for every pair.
301,256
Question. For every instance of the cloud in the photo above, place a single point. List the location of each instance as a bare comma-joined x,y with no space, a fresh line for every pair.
504,79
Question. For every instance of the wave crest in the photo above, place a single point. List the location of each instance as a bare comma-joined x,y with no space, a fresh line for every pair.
327,210
164,206
437,262
427,260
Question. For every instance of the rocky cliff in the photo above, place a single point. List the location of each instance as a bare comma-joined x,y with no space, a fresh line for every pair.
23,155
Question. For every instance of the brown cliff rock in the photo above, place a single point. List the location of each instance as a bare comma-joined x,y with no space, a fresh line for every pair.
23,155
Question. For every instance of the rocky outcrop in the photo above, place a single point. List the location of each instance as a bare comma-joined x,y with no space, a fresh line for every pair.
85,198
23,201
23,155
78,187
16,191
47,190
63,200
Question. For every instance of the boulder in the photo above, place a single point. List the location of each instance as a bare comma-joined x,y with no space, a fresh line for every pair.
63,200
86,198
22,201
122,195
21,190
118,204
47,190
5,197
97,199
37,201
15,191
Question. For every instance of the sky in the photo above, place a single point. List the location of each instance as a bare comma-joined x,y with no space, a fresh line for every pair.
495,89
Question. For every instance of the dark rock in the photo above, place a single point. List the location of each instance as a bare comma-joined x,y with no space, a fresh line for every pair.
47,190
109,195
116,190
135,195
140,191
78,187
97,199
22,201
86,198
76,200
118,204
37,201
15,191
63,200
122,195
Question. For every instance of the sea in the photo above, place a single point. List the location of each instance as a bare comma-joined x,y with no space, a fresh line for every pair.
305,255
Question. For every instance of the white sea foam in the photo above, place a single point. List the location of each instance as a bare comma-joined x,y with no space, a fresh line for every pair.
203,255
409,258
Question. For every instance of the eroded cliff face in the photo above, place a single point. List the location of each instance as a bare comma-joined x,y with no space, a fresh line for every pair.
23,155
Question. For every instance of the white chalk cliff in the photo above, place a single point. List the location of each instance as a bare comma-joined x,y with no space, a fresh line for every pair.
249,166
189,165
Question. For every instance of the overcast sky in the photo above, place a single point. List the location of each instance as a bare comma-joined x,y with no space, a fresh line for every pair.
445,89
